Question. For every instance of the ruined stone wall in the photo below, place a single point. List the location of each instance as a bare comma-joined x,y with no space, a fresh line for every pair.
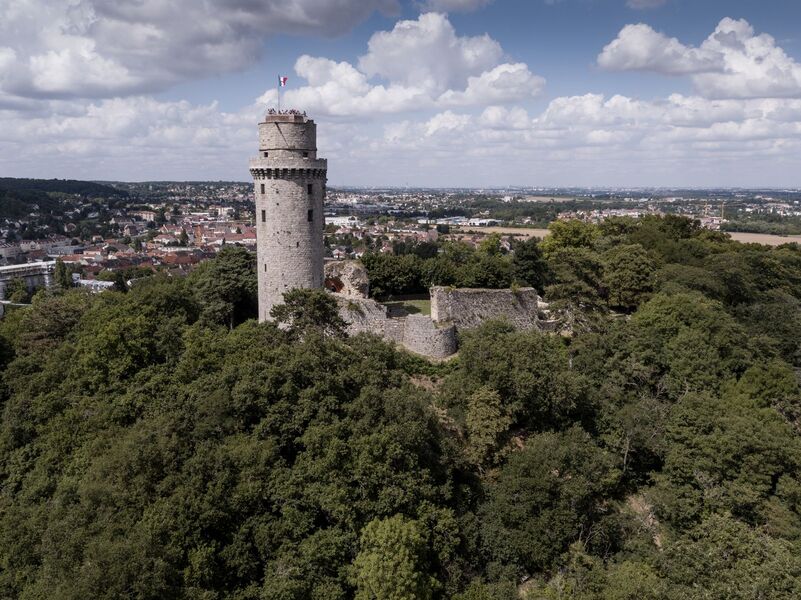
362,315
422,336
347,277
467,308
452,310
417,333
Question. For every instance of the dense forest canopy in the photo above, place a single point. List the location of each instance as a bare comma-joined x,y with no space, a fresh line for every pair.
15,204
161,444
21,197
89,189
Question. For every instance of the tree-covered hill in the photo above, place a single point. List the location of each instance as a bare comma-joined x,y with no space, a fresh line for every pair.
20,197
88,189
15,204
162,444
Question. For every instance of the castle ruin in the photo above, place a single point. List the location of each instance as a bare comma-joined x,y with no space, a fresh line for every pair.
289,183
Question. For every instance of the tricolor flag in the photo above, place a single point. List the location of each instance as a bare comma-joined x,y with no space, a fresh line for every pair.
281,81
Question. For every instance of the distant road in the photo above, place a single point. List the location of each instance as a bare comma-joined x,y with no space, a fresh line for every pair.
766,239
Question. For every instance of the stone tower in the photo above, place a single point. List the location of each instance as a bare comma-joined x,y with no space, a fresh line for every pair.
290,189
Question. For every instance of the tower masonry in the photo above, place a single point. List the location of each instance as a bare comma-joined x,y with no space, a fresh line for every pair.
290,189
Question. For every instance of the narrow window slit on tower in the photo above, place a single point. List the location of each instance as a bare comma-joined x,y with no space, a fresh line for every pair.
310,215
310,188
305,155
262,188
264,216
266,154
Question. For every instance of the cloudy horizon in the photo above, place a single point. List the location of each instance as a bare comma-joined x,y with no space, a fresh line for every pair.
435,93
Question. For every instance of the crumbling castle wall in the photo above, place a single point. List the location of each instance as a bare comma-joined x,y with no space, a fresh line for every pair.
422,336
363,315
347,277
417,333
467,308
452,310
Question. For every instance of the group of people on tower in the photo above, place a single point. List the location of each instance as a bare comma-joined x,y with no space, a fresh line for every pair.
290,111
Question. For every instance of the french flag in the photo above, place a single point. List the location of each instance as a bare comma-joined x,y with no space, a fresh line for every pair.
282,81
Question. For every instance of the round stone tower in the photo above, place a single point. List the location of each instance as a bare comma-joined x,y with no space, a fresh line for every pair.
290,189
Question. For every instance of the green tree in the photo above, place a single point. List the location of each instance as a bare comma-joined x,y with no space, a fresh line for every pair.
728,454
62,275
226,287
50,319
723,559
576,288
485,423
547,496
631,580
775,384
776,317
569,234
677,278
391,564
528,264
307,311
17,291
689,341
392,275
529,370
183,238
490,245
120,284
628,276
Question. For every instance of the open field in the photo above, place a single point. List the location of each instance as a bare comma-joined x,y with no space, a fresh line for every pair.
518,231
411,306
767,239
747,238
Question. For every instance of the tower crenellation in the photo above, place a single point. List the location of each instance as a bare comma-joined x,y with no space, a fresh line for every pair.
289,183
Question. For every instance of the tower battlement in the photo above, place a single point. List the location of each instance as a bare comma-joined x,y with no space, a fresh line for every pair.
289,183
287,117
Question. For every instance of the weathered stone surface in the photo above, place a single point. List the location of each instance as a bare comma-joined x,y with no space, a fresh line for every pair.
467,308
422,336
417,333
290,184
363,315
347,277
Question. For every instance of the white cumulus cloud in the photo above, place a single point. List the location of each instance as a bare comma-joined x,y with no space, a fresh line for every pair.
641,48
733,62
426,53
504,83
104,48
472,124
420,64
589,139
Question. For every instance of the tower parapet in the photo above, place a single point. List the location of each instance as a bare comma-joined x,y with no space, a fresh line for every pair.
290,184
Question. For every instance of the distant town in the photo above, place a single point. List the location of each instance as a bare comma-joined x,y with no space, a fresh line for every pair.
101,229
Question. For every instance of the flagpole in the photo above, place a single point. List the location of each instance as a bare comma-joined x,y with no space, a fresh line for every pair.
279,94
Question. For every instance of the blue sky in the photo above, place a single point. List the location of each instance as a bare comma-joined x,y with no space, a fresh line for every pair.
560,41
430,93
